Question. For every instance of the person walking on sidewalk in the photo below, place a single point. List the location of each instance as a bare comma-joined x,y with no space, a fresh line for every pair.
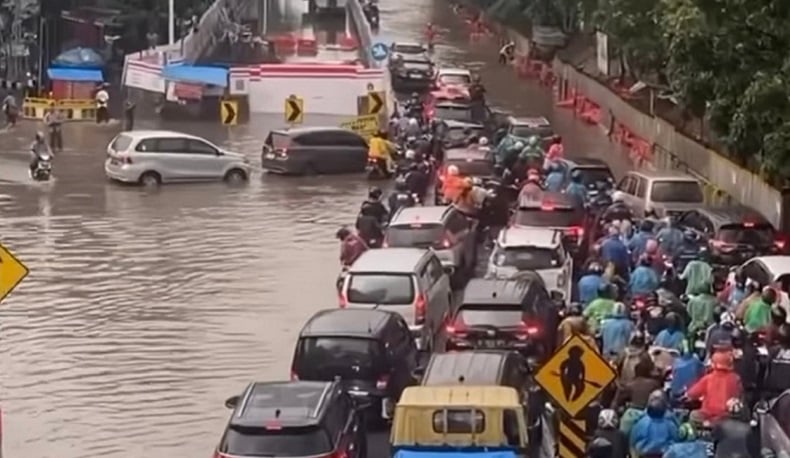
102,101
54,121
11,109
128,114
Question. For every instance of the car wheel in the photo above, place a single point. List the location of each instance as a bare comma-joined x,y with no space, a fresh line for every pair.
235,176
150,179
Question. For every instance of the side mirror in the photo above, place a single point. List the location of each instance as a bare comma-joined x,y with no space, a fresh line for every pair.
232,402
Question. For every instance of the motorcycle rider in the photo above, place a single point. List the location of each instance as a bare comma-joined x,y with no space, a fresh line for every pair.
616,330
603,197
701,306
413,129
400,197
574,323
719,335
556,150
417,181
484,147
380,151
532,191
758,312
634,353
735,292
609,431
351,246
576,189
673,336
734,436
777,376
533,153
373,215
38,149
656,431
698,274
644,279
686,370
509,154
638,242
688,445
614,251
588,285
600,307
453,184
670,238
555,178
716,387
619,210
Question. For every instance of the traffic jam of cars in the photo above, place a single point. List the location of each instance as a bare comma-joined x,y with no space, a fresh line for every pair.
495,253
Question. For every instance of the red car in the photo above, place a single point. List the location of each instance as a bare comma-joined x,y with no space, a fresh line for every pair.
449,94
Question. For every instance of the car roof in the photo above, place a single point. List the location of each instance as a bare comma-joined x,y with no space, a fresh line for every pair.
454,71
496,291
415,58
299,403
388,260
465,154
143,134
481,367
778,265
732,214
462,124
537,121
452,104
346,322
663,175
524,236
555,199
490,396
430,214
294,131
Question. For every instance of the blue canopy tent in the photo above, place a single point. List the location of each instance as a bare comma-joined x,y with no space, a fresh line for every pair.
215,76
75,73
84,58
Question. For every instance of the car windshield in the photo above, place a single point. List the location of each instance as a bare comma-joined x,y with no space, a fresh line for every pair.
677,191
121,143
528,131
473,167
500,315
259,441
528,258
755,235
323,358
592,176
383,289
454,113
418,66
558,217
408,49
455,79
457,134
414,235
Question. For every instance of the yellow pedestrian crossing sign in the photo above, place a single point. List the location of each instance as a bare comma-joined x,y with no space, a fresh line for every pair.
575,375
12,272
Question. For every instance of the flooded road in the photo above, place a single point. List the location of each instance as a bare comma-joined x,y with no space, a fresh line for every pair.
144,311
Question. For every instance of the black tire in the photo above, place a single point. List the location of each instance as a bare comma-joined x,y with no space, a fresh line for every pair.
235,176
150,179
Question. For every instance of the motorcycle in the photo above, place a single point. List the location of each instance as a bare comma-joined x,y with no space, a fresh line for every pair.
43,170
377,169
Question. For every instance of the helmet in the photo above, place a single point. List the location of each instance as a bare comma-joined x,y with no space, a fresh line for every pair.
468,183
483,141
769,295
674,320
595,268
39,136
727,318
651,247
600,448
657,399
453,170
415,95
374,193
413,122
618,196
607,419
734,407
687,432
411,154
532,141
556,139
342,233
518,145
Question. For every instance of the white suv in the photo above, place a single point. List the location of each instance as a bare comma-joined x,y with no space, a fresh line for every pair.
151,157
533,249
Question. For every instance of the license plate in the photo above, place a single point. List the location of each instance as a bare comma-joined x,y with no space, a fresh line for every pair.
269,156
415,75
491,343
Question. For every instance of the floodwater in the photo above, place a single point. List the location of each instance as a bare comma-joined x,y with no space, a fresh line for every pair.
143,310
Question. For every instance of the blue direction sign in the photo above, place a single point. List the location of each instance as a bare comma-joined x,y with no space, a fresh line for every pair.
379,51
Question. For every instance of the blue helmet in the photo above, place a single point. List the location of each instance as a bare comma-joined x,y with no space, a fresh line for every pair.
576,176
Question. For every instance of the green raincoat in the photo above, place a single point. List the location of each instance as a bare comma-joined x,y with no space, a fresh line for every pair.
698,276
598,310
702,310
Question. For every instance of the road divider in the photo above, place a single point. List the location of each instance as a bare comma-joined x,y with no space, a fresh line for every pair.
71,109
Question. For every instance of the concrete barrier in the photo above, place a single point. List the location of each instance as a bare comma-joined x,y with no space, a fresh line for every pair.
364,32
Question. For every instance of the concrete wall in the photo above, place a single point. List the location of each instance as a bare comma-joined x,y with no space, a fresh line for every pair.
672,149
364,32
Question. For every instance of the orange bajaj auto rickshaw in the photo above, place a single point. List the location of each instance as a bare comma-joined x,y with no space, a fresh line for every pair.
445,421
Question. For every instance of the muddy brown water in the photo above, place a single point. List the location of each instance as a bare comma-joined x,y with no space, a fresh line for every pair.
145,310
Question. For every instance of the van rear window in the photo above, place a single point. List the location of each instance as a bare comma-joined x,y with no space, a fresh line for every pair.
677,191
381,289
459,421
121,143
278,141
285,442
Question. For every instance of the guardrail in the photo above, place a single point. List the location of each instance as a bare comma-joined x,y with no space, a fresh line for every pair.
72,109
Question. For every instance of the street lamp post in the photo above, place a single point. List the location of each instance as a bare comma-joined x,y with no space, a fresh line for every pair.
171,21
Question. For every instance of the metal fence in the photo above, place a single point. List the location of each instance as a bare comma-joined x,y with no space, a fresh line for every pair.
725,180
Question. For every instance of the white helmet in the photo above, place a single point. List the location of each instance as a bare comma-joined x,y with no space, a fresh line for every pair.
410,154
727,317
618,196
483,141
413,121
519,145
453,170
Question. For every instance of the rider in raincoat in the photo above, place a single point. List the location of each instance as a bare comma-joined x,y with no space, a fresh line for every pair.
698,275
533,153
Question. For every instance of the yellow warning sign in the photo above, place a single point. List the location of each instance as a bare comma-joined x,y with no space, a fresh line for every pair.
12,272
363,125
575,375
229,112
294,110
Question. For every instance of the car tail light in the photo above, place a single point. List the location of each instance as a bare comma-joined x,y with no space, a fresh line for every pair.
382,382
294,376
528,329
446,243
719,245
547,207
342,300
384,243
419,309
125,160
575,231
639,303
339,454
282,152
456,328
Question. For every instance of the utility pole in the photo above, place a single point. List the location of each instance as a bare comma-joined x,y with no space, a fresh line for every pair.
171,21
16,40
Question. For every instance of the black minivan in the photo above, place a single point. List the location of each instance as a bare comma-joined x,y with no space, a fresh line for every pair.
313,151
371,351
